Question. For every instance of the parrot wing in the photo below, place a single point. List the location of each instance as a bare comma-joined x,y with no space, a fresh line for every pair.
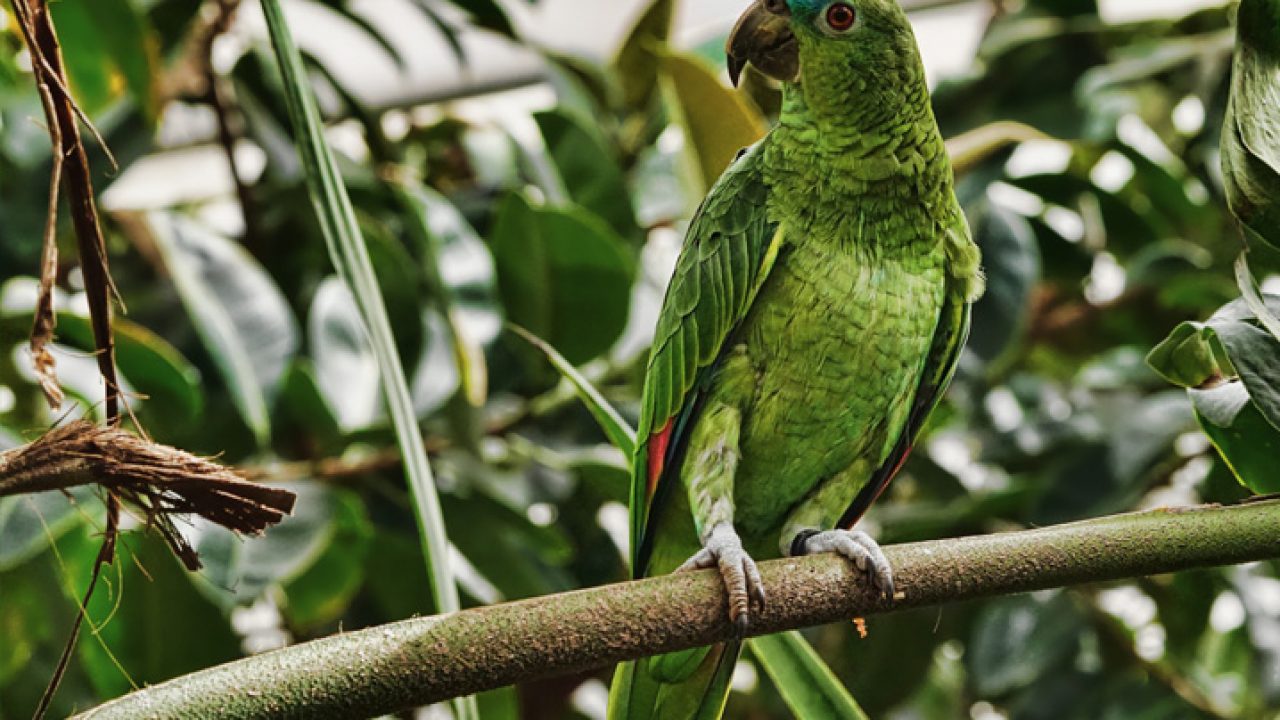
728,251
949,336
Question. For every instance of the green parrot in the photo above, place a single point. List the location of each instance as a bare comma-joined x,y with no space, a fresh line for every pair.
815,317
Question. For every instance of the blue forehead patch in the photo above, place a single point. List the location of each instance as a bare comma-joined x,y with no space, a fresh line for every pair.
806,8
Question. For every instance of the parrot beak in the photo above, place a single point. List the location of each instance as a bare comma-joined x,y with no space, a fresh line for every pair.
763,38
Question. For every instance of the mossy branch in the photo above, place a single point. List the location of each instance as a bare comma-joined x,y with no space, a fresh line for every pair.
426,660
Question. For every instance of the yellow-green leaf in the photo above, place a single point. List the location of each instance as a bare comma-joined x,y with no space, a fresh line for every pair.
717,121
637,63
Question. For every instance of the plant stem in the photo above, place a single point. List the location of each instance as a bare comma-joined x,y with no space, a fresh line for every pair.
427,660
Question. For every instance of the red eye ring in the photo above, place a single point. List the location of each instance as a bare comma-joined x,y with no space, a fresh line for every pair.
841,16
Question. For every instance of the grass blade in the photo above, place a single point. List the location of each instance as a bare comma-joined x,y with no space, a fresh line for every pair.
805,682
614,426
351,258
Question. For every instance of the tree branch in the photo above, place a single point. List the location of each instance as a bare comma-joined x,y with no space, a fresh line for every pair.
426,660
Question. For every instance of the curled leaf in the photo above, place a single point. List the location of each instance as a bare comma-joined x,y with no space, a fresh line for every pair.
1251,133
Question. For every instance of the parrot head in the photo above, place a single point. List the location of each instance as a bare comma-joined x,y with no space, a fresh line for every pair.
781,37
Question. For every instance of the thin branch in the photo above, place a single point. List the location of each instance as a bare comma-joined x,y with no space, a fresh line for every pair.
426,660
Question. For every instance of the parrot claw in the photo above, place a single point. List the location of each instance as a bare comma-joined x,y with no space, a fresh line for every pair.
858,547
722,549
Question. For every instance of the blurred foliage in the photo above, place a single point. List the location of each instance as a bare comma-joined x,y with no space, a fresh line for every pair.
1106,245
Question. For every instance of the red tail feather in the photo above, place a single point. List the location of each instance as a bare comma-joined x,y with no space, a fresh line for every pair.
658,444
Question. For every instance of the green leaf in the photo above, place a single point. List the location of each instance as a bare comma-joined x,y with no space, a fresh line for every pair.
805,682
437,376
346,370
463,284
33,623
302,407
1231,368
133,48
240,314
590,171
1018,639
463,262
1187,357
636,63
28,523
622,435
1253,297
1250,152
1013,268
108,46
323,590
351,257
1256,356
500,704
564,275
241,569
518,558
162,627
717,122
1242,436
169,384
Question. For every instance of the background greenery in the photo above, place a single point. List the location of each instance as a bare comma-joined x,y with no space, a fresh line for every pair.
249,348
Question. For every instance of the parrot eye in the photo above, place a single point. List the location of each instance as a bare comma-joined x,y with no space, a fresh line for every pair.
840,16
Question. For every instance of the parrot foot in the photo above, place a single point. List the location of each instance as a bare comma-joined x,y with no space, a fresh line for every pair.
853,544
722,549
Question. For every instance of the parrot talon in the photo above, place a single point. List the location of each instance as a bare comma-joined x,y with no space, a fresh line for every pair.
855,545
722,549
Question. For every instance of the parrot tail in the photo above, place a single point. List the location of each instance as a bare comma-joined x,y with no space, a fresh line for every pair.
686,685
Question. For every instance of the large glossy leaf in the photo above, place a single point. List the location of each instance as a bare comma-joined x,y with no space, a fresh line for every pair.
462,259
238,570
346,370
636,62
242,318
717,122
321,592
460,272
1244,438
167,382
108,46
807,685
444,366
1011,258
563,275
588,169
1251,133
28,523
1017,639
